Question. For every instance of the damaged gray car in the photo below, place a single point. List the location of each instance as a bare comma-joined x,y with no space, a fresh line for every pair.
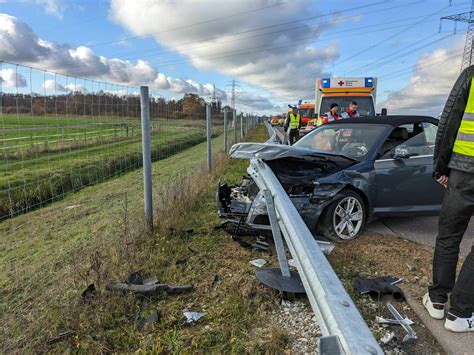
343,175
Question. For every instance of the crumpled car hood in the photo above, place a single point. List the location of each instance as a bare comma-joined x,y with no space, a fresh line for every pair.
268,151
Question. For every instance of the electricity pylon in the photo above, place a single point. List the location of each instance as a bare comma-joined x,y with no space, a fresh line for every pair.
467,17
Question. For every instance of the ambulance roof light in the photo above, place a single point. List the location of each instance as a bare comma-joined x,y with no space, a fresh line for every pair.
326,83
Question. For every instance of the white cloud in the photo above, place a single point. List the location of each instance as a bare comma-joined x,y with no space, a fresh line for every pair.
52,7
19,44
55,87
9,78
52,86
433,77
214,46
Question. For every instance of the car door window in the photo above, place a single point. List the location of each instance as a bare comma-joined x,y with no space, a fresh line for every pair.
430,131
417,138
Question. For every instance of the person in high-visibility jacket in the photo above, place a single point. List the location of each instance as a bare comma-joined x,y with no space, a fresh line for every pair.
293,123
454,169
332,115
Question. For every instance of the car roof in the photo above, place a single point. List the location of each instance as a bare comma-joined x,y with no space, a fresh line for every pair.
388,120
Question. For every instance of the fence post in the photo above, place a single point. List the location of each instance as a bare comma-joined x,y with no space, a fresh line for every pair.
225,130
146,152
234,120
209,137
241,126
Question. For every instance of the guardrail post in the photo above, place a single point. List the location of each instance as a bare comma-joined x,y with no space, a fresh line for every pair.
279,246
146,152
209,137
225,129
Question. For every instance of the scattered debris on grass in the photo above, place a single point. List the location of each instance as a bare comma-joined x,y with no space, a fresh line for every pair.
410,332
387,338
147,289
382,320
193,317
217,280
89,293
377,255
259,262
140,322
380,286
258,243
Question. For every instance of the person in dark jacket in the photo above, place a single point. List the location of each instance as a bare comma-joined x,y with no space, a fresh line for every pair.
454,169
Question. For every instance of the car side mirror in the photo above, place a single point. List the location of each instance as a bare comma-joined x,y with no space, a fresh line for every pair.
383,112
401,152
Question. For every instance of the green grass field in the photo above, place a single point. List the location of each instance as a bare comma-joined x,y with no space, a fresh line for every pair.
49,256
43,158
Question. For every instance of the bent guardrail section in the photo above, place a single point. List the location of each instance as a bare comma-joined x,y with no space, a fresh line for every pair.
271,133
341,324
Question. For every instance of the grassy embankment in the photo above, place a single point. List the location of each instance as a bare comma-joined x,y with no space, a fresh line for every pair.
94,236
44,158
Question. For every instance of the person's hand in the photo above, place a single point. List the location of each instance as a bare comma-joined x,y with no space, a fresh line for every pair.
443,180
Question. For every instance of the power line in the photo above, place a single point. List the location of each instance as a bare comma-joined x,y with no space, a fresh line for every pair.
269,47
395,55
468,47
243,32
366,50
407,70
292,28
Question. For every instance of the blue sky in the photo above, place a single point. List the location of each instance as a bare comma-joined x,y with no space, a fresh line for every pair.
385,39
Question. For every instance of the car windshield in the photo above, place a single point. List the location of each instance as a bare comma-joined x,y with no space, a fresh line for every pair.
306,112
350,140
365,105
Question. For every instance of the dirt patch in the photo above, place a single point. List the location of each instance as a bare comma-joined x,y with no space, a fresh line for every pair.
381,255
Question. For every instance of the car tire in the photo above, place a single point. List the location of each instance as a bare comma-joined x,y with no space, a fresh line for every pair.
344,219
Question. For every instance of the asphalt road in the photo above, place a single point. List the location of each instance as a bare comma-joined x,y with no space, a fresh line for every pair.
421,230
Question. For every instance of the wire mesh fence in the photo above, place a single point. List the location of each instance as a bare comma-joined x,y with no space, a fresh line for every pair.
60,133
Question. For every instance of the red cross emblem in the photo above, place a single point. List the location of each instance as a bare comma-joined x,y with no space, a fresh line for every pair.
341,83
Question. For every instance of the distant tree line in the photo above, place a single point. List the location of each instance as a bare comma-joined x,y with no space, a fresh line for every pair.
103,104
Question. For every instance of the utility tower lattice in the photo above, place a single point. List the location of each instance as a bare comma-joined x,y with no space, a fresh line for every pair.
468,46
234,85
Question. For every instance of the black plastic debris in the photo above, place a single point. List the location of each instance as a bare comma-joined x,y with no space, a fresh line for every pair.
61,337
380,286
136,283
217,280
140,322
181,261
151,281
89,293
135,278
148,289
259,244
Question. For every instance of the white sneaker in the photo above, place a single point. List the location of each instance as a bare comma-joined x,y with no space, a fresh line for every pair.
436,310
458,324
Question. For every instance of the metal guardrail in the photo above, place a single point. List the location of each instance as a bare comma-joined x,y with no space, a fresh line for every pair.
343,328
271,133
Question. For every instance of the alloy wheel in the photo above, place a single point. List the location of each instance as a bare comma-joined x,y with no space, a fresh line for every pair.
348,218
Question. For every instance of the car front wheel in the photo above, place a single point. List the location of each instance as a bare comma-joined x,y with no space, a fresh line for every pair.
345,218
